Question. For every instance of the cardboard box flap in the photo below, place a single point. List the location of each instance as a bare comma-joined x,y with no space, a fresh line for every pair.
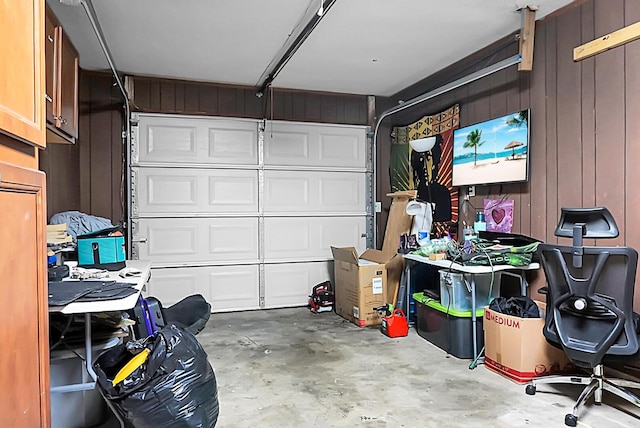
345,254
376,256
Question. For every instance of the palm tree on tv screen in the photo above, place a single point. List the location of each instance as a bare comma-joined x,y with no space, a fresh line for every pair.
517,120
473,141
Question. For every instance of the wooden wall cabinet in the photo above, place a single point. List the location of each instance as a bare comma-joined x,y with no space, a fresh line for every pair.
62,67
22,71
24,335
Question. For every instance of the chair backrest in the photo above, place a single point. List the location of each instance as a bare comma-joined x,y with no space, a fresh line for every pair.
590,304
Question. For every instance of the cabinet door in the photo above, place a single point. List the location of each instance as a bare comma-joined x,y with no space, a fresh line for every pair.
22,83
24,354
68,86
50,61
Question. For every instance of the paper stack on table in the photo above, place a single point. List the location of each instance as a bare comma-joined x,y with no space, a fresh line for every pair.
57,234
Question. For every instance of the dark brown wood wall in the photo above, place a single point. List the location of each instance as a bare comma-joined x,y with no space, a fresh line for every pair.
87,176
585,127
181,97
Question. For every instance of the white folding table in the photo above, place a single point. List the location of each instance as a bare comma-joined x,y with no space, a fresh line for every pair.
472,270
87,308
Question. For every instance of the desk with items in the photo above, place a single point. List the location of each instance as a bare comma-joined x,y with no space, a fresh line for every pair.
139,274
472,271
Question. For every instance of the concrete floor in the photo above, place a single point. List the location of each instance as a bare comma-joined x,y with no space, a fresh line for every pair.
291,368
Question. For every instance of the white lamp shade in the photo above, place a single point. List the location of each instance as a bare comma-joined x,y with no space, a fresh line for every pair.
423,144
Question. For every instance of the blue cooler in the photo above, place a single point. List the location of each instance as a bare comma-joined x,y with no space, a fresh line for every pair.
103,249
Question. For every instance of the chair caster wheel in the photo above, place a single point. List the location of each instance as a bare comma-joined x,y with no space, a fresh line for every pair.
531,390
570,420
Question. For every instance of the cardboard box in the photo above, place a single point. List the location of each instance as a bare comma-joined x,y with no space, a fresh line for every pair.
516,348
361,283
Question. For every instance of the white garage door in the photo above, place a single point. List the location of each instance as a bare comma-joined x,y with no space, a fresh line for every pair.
245,212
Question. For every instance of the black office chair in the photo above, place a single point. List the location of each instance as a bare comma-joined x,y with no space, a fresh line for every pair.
590,305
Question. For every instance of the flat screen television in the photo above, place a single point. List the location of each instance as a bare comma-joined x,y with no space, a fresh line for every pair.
492,152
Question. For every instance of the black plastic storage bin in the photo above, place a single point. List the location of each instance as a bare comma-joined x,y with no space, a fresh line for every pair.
450,331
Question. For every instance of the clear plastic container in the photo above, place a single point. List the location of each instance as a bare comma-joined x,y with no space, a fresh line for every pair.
455,290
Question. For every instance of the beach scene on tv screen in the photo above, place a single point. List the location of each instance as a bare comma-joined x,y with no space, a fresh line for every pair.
494,151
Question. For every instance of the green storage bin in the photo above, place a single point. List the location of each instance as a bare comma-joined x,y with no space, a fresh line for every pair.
451,330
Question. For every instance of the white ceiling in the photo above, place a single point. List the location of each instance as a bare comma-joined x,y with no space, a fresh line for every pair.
371,47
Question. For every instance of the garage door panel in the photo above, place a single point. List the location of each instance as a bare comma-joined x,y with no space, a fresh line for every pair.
341,192
241,214
169,142
314,191
234,146
297,144
193,190
288,238
226,288
234,287
284,147
196,141
172,241
234,238
172,190
172,285
196,240
233,190
290,284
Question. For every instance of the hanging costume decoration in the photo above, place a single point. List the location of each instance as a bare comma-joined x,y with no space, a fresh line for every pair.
430,173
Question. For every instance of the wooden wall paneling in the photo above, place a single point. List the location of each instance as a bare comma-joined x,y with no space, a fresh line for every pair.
312,109
168,96
240,101
383,184
329,108
174,96
568,125
191,97
101,142
524,82
551,110
538,126
632,137
142,94
117,196
84,139
208,100
61,163
513,104
588,118
227,105
252,105
155,98
281,104
610,118
179,97
298,106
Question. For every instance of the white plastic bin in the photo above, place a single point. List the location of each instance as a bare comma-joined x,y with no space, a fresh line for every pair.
455,290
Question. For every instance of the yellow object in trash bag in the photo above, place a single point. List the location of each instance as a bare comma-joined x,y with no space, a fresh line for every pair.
133,364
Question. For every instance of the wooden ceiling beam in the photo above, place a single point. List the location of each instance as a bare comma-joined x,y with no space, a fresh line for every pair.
527,34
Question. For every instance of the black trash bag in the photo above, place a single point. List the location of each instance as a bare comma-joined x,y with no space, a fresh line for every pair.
175,387
191,313
518,306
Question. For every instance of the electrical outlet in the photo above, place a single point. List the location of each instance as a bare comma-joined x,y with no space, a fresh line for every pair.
471,191
378,207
